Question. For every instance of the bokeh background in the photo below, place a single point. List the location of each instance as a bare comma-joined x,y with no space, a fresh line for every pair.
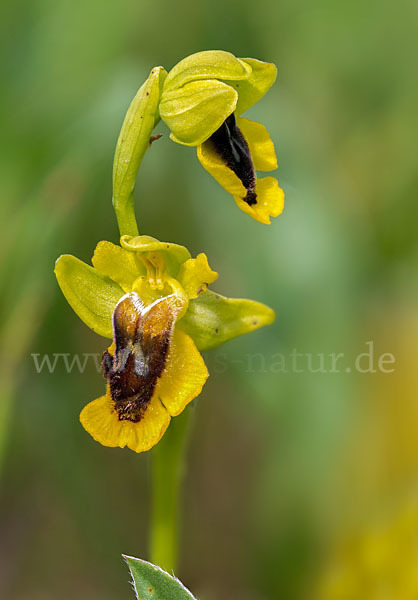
300,486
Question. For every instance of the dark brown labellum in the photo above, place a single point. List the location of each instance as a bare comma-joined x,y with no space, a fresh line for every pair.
142,336
231,146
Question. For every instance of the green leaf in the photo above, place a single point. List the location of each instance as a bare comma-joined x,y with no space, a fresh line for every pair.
90,294
152,583
212,319
196,110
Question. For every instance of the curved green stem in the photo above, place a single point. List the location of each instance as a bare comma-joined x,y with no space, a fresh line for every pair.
125,215
167,475
134,141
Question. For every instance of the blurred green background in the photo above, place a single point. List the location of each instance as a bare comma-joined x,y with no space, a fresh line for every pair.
289,473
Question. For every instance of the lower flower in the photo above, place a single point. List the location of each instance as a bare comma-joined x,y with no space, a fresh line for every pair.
151,297
153,370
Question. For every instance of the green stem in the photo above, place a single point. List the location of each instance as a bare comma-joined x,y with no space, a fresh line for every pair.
125,215
167,475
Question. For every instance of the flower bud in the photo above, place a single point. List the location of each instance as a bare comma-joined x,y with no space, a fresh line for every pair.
133,142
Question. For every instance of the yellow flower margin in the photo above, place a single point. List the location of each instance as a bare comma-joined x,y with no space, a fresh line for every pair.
270,197
182,380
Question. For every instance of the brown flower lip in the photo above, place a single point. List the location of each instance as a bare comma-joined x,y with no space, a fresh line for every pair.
142,340
231,146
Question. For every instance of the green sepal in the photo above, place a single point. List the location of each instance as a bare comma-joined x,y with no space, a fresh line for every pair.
212,319
174,255
196,110
209,64
262,77
133,142
90,294
152,583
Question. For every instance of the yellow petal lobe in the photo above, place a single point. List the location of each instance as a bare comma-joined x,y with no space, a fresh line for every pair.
270,197
270,201
117,263
195,275
260,144
213,163
184,375
100,420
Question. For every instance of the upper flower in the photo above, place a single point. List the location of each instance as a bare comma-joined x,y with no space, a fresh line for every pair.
151,297
201,100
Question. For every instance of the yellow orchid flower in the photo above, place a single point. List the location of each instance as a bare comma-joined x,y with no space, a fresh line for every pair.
151,297
201,101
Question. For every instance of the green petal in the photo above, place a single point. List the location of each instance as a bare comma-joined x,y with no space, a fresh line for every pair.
90,294
250,91
209,64
196,110
174,255
212,319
